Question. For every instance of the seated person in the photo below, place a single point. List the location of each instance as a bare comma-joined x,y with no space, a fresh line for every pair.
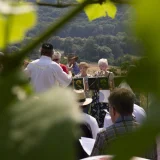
89,127
121,102
83,66
139,115
72,64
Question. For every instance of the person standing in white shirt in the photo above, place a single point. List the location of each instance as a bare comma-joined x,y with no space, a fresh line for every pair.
44,72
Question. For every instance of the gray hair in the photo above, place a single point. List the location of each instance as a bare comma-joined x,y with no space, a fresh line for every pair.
103,61
56,54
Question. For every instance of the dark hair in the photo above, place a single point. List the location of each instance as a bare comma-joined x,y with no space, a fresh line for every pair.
46,52
47,49
122,100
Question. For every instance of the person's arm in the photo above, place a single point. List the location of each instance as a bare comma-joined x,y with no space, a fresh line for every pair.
64,68
63,78
27,70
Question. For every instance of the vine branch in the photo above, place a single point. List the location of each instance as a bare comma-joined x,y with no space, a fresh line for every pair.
65,5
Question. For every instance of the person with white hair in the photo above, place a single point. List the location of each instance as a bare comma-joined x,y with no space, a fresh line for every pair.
97,107
57,58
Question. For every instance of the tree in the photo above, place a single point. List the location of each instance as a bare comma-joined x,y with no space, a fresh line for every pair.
68,45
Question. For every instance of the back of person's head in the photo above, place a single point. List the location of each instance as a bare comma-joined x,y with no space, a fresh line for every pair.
122,100
56,55
47,49
103,61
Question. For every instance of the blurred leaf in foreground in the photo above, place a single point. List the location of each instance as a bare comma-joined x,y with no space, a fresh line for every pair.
40,127
94,11
147,27
145,77
15,20
9,81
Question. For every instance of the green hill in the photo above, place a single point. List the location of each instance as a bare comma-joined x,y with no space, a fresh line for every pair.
101,38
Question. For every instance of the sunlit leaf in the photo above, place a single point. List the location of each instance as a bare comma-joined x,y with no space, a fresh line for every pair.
110,8
14,22
94,11
90,11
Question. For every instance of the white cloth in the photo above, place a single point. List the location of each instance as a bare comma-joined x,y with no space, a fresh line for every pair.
87,144
138,112
91,121
103,96
44,73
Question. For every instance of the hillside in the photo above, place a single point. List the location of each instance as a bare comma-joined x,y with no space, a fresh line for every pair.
102,38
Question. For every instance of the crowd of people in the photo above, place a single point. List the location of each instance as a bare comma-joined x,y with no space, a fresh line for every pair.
103,121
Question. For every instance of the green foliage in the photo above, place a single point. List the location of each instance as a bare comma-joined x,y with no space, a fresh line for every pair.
107,32
37,127
93,48
145,77
14,22
32,129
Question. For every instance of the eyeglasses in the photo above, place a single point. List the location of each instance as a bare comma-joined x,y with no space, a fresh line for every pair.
55,59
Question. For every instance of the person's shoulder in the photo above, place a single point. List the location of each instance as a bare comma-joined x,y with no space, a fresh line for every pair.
34,61
52,63
139,109
110,131
90,117
106,132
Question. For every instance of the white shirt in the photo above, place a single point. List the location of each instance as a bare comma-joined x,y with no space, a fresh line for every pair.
92,123
44,73
138,112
